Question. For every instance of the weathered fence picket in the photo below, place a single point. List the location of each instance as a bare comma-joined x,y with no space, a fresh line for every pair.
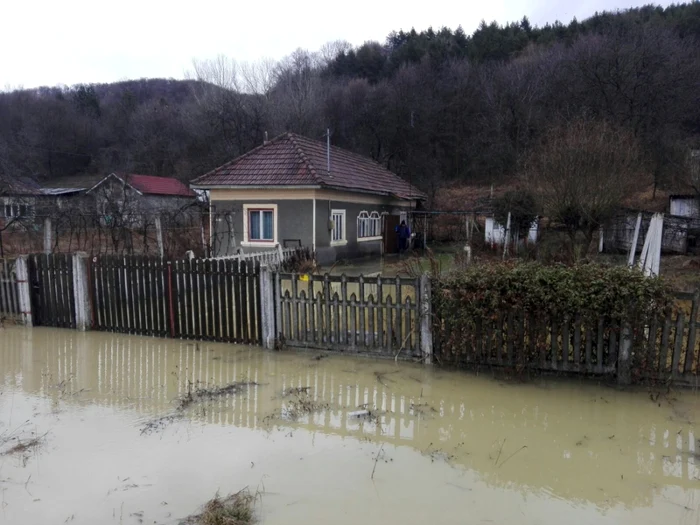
661,348
51,290
9,295
217,300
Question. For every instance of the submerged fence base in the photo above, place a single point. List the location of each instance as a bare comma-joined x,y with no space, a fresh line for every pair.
243,302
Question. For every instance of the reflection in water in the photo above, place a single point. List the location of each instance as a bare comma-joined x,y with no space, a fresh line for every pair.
566,441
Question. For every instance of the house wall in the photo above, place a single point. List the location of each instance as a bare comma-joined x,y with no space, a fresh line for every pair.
685,207
326,252
295,213
294,221
133,207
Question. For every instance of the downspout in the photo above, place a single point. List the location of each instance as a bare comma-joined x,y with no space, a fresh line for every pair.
313,234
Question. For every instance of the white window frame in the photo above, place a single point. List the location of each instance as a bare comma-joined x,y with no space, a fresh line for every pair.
15,210
369,221
246,218
344,240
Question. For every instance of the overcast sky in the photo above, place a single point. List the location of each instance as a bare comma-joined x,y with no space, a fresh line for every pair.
48,42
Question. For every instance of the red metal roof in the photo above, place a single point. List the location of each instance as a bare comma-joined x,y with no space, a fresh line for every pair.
151,185
293,160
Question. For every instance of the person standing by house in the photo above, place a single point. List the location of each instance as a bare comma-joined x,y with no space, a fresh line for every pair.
403,235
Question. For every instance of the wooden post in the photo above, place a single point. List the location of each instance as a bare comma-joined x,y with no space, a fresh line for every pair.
426,333
280,255
633,248
506,237
623,361
48,232
159,236
81,292
23,290
692,328
171,299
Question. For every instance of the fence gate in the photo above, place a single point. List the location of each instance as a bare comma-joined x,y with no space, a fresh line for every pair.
216,300
353,314
51,282
9,299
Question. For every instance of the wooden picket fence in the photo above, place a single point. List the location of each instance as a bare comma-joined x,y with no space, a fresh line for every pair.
130,295
216,300
514,338
661,349
350,314
273,258
668,348
9,299
51,290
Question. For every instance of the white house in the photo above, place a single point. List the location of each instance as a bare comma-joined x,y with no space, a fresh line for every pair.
495,233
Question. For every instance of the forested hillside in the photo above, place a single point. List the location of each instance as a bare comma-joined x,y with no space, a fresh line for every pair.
434,106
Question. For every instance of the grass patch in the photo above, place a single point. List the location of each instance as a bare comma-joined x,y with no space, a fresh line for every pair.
235,509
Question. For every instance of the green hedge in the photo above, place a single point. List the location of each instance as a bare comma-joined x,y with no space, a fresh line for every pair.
590,290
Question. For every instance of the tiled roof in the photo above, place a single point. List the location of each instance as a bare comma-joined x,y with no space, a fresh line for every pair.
293,160
150,185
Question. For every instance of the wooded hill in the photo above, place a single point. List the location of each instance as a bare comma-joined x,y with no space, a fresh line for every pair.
435,106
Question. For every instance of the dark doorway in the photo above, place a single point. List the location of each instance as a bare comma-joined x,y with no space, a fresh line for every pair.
391,243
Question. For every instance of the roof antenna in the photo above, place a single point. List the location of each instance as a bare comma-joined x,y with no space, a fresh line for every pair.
328,151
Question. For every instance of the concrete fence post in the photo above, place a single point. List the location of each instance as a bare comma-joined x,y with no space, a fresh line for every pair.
48,235
159,236
426,314
24,290
81,292
624,373
267,308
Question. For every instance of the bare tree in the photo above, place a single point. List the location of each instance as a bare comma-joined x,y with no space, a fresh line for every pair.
582,171
330,50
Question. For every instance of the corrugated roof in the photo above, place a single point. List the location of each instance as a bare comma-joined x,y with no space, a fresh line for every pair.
19,186
293,160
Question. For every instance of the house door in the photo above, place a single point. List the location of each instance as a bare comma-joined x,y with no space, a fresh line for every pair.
391,243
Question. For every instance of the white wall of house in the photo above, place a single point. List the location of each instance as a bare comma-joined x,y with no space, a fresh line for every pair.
685,207
495,233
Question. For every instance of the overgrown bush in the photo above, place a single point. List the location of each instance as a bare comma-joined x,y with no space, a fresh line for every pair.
590,290
522,207
301,261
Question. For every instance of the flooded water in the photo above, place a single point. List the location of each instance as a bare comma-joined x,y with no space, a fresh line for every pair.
120,440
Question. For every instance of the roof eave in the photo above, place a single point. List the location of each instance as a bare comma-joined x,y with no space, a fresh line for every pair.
255,186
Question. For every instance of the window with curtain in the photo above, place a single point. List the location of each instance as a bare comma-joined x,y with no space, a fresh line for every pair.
369,225
338,232
261,225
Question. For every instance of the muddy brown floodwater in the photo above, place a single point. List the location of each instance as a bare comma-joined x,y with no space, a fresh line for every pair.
100,428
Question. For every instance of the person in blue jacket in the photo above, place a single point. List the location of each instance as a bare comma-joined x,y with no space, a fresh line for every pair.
403,236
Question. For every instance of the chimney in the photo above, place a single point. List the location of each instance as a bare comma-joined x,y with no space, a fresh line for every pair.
265,141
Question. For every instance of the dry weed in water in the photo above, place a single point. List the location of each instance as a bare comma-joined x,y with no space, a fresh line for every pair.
193,396
23,446
204,393
236,509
